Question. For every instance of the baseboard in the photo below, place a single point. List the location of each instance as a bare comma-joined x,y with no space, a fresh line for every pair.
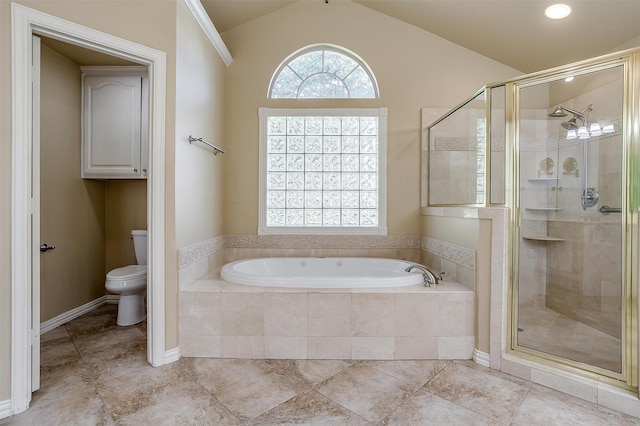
5,408
112,299
481,358
74,313
172,355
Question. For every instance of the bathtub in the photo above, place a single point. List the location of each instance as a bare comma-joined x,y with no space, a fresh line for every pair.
321,272
292,308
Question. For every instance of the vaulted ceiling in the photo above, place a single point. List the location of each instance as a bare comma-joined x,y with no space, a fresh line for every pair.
513,32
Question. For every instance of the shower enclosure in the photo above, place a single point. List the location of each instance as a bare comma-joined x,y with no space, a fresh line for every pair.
559,148
570,240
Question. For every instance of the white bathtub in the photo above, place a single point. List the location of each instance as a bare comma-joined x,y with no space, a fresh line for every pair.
321,272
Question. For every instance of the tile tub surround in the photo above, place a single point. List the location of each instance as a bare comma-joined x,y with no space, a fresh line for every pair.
224,320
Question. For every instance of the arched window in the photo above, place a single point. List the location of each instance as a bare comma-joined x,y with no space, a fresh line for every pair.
323,71
323,170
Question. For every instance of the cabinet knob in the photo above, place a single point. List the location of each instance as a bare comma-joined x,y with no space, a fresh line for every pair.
135,170
144,170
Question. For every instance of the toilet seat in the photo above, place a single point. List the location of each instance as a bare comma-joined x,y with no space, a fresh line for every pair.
130,272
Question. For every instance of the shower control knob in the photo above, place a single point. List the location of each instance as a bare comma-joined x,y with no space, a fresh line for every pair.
589,198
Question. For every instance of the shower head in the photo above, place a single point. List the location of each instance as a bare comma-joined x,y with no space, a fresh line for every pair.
559,112
571,124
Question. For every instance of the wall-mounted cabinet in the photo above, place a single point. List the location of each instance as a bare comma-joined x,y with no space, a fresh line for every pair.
115,117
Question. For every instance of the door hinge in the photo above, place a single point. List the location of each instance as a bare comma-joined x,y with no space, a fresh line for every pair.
33,205
35,335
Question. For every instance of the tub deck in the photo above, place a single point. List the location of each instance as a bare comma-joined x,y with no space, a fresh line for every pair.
220,319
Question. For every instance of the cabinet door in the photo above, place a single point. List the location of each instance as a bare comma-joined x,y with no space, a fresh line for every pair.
111,129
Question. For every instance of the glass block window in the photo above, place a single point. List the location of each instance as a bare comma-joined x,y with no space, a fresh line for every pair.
323,71
323,171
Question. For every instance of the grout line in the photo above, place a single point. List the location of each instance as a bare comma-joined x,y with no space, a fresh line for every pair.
520,403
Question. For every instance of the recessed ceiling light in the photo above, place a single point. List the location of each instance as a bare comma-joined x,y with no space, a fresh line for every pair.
557,11
568,79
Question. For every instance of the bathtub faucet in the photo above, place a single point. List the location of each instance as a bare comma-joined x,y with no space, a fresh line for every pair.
429,277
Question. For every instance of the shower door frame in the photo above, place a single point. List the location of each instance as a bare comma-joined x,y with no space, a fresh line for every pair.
628,377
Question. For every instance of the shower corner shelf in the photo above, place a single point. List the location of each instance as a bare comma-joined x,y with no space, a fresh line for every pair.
544,209
542,238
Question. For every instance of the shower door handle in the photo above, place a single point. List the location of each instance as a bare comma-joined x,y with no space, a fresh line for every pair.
607,210
46,247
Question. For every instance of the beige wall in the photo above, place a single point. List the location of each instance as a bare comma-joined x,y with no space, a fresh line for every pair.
125,210
199,112
414,69
132,20
72,209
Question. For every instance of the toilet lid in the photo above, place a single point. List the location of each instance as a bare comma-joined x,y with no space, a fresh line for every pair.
128,272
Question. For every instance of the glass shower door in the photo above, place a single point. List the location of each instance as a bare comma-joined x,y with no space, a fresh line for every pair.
570,243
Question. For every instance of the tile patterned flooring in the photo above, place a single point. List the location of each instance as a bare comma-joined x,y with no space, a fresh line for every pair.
95,373
545,330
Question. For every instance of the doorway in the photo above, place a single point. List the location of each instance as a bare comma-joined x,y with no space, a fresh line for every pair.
572,280
25,301
85,224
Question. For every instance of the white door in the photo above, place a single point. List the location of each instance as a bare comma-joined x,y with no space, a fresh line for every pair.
35,216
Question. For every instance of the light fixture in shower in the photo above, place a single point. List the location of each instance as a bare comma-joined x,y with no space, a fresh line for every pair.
557,11
583,130
594,129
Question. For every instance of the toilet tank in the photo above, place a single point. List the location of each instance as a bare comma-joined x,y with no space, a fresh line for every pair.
140,245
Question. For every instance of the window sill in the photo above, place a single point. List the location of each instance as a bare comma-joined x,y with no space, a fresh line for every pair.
273,230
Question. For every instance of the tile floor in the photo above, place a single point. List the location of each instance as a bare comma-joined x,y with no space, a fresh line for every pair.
545,330
95,373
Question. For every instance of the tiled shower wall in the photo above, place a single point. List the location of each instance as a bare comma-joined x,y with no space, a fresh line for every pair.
584,272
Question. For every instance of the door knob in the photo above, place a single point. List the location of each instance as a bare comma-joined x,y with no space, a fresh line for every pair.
46,247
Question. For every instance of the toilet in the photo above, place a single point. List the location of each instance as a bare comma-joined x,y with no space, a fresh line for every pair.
130,282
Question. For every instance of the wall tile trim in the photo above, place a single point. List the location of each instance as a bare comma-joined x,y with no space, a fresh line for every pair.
457,254
191,254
